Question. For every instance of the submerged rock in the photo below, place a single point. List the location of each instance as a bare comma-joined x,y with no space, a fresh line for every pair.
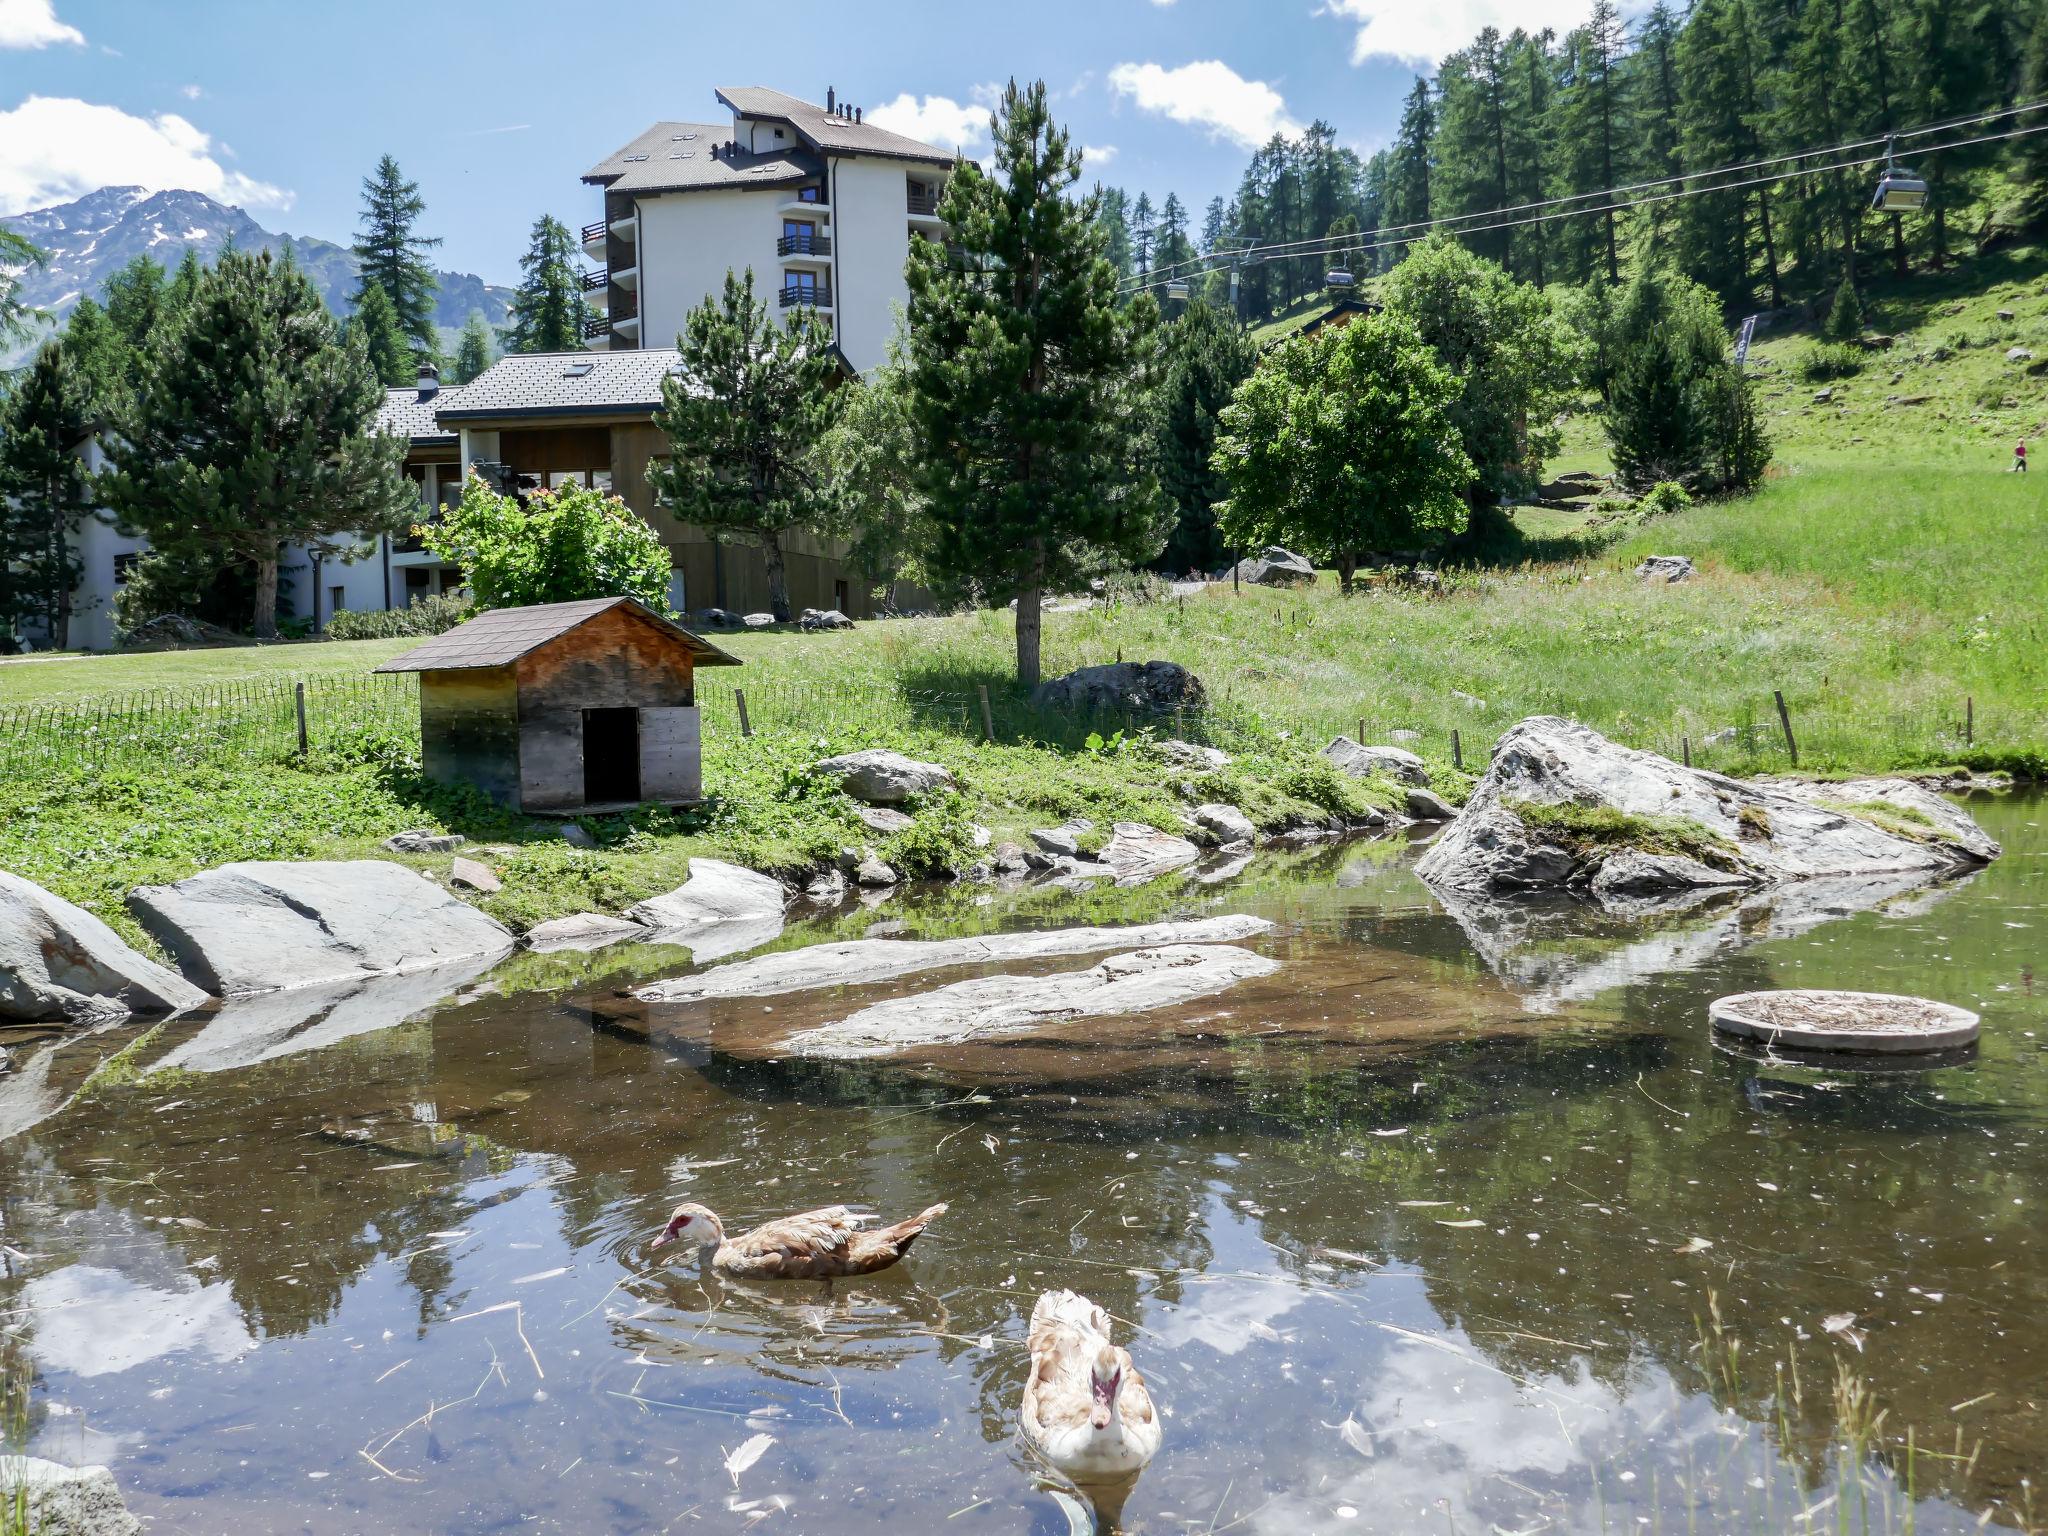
882,777
58,961
1138,853
1559,803
860,962
581,930
57,1500
1064,840
262,925
991,1007
716,892
1362,762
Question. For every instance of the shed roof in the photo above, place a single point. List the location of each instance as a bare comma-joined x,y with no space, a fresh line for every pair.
409,414
624,383
503,635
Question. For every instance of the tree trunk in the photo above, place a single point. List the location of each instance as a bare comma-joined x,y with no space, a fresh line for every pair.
263,623
1898,245
778,577
1030,615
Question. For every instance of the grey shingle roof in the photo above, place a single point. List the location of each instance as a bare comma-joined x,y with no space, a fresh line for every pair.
503,635
827,130
626,383
676,157
405,414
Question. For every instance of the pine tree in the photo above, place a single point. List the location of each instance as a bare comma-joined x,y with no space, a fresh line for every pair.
139,299
2031,153
391,253
1206,358
1651,85
1028,381
375,325
1142,232
16,256
1531,130
1409,184
744,415
1171,248
251,431
1113,214
1214,221
105,363
1845,317
1472,143
1949,79
44,496
474,349
547,311
1591,123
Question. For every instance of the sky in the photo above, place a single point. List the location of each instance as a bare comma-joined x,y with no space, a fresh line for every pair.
496,107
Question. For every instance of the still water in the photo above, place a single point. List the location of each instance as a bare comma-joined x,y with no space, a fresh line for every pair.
1458,1222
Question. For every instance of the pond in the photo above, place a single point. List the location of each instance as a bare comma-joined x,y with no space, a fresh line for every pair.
1459,1221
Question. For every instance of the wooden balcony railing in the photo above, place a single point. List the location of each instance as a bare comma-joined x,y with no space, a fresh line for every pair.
804,245
596,328
925,204
819,297
595,232
592,281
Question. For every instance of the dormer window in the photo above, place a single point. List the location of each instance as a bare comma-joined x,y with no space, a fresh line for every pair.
807,194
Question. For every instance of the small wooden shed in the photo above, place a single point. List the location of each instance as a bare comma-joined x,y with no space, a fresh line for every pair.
564,707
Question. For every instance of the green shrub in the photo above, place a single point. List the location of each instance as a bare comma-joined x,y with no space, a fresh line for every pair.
1845,319
1830,360
432,615
1666,496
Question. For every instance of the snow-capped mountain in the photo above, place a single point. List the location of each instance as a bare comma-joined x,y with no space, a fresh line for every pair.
89,240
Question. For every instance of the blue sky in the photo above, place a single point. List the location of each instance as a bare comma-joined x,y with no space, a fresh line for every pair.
497,106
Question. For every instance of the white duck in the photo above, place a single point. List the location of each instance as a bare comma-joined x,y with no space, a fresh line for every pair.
1085,1405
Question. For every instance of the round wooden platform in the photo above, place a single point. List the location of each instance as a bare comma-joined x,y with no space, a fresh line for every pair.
1814,1020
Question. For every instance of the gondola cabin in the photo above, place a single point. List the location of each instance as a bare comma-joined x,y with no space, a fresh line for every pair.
564,708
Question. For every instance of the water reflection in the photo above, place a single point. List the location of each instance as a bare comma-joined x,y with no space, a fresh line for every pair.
1408,1231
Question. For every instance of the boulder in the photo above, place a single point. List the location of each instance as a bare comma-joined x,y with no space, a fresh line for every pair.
873,873
716,618
581,930
882,777
716,892
58,961
827,888
1665,569
1273,567
993,1007
2018,355
425,840
57,1500
2005,314
881,820
259,926
823,618
472,876
1362,762
1148,687
1064,840
1471,701
1667,827
758,621
1009,859
577,836
1138,853
1428,805
1186,754
1227,822
1823,396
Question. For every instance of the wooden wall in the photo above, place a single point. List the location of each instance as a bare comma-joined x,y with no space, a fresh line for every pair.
469,730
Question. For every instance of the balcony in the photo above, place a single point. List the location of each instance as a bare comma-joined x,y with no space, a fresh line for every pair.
795,204
802,246
816,297
597,328
594,240
596,237
594,282
922,205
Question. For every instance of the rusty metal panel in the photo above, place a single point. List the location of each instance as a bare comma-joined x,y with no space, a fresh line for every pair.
670,755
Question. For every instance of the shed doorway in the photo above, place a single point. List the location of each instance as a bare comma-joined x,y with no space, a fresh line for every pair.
611,756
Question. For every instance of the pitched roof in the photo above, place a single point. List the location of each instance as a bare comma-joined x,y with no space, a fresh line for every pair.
625,383
405,414
676,157
828,130
503,635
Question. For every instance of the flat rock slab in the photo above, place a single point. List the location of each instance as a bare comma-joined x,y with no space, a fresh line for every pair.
883,821
472,876
881,777
992,1007
1808,1019
860,962
58,961
581,930
261,926
1362,762
423,840
64,1501
716,892
1139,853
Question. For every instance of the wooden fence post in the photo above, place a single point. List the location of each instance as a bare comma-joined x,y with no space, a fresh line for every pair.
1457,751
1969,721
299,701
740,697
988,724
1785,719
1685,745
1361,730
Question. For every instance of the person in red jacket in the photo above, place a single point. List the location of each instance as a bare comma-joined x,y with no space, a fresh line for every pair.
2019,457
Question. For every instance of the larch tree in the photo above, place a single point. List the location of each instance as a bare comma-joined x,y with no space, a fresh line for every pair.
251,431
392,253
16,256
548,310
474,349
44,495
744,413
1143,230
375,323
1029,381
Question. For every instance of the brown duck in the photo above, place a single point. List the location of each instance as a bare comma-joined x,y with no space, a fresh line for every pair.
817,1245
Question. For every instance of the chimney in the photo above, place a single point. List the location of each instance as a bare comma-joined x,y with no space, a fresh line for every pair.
831,98
430,380
856,114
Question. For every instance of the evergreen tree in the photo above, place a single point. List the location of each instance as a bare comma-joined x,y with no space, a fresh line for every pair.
392,254
744,415
139,299
1341,444
1409,192
1472,143
1214,221
547,311
1142,233
1532,112
1205,359
375,326
251,431
1677,407
872,451
1950,78
1651,84
1591,122
185,282
1171,248
2031,154
105,363
1028,381
43,496
1113,214
16,256
1845,317
475,349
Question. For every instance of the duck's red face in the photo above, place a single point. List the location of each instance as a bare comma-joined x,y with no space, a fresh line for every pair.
1105,1380
685,1222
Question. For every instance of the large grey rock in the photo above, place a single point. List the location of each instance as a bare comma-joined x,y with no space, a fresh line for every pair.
716,892
883,821
258,926
1665,569
823,618
581,930
882,777
1752,834
1138,853
993,1007
1148,687
874,873
1362,762
1064,840
64,1501
1226,822
58,961
1428,805
861,962
424,840
1275,567
1186,754
472,876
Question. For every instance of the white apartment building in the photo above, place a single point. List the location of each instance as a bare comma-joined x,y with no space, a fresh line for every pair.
820,203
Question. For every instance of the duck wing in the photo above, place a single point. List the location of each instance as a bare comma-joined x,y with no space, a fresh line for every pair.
1058,1395
808,1246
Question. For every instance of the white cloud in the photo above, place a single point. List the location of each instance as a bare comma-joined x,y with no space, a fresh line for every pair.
1422,34
191,92
33,24
1209,94
1097,155
54,148
936,120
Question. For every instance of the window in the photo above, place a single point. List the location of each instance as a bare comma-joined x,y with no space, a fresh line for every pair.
124,566
799,231
807,194
806,283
